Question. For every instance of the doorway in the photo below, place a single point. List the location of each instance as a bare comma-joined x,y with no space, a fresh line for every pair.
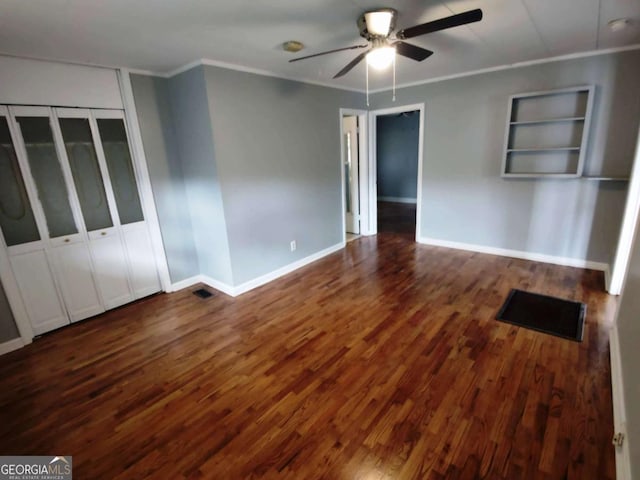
353,168
396,146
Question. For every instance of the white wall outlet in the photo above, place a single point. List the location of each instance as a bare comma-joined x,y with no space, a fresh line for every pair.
293,245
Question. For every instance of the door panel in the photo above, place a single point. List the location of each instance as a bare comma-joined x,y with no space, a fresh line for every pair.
38,291
73,266
351,177
83,161
144,276
16,215
111,268
47,175
123,180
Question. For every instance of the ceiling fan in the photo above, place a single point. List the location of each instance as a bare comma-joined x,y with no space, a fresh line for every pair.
377,26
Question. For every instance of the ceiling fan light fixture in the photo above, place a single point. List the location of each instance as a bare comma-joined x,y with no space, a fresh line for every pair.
379,23
381,57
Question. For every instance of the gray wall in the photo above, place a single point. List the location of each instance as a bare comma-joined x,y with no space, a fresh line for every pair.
277,150
165,170
251,161
628,322
8,329
397,155
464,198
190,109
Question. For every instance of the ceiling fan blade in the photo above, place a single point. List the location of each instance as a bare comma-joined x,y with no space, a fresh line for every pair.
328,51
411,51
350,65
442,24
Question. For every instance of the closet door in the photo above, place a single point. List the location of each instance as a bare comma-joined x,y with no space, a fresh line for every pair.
69,251
22,237
97,206
122,178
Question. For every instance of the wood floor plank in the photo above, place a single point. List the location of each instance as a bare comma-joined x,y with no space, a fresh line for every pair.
381,361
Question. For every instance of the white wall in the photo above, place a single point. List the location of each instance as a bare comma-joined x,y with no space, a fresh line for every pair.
36,82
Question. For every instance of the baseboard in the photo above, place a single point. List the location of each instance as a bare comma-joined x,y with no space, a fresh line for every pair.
186,283
398,199
11,345
623,460
269,277
504,252
607,280
218,285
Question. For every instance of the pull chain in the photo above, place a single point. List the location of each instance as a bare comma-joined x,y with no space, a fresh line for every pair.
394,78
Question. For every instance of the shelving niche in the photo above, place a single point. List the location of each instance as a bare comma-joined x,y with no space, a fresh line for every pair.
547,133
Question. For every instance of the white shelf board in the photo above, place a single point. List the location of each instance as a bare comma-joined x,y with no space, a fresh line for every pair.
550,149
540,175
548,120
605,179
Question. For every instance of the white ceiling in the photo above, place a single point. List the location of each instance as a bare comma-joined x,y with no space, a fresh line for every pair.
162,35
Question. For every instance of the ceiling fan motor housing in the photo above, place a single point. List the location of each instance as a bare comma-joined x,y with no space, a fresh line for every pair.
364,30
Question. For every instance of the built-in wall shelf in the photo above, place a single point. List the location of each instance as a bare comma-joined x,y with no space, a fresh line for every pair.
547,133
551,149
548,120
606,179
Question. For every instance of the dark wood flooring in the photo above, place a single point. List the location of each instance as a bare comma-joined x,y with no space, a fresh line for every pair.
381,361
397,218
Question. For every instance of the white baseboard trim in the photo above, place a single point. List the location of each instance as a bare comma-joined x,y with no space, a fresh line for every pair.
186,283
11,345
398,199
623,461
257,282
218,285
504,252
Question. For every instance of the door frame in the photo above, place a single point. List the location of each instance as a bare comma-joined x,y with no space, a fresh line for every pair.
143,178
373,162
363,128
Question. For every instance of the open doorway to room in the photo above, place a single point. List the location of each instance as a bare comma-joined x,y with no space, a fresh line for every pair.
396,169
353,142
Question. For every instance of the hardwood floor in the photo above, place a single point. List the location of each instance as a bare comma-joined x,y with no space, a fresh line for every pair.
382,361
396,217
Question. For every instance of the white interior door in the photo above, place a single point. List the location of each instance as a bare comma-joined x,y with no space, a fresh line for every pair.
120,174
51,179
351,173
97,205
21,235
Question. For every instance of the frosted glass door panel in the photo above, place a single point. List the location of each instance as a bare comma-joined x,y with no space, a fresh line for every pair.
83,161
16,216
47,174
123,179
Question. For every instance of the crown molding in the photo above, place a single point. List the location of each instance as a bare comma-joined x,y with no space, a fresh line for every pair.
256,71
509,66
268,73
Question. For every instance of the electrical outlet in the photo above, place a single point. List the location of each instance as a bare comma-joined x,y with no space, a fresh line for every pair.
293,245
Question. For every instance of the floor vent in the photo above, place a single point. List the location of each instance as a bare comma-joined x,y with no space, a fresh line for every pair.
202,293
